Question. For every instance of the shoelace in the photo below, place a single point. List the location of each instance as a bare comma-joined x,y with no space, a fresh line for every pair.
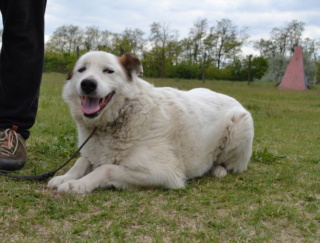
9,141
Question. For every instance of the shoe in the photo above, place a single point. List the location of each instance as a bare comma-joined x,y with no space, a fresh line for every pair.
13,151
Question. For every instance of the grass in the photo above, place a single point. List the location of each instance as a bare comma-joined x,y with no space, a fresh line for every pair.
276,200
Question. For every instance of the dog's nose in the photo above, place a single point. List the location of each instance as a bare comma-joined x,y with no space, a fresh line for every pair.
89,85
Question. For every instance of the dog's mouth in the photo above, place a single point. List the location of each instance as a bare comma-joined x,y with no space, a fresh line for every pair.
92,106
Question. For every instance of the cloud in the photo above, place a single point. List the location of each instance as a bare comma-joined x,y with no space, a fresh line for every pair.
260,16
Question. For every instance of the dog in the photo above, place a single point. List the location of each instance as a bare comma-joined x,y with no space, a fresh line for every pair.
146,136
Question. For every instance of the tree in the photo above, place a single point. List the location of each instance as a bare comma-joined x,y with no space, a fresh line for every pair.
65,39
136,40
213,52
276,68
224,42
186,50
259,67
120,45
240,68
279,48
197,34
295,30
266,47
282,40
310,59
91,38
106,41
311,48
161,36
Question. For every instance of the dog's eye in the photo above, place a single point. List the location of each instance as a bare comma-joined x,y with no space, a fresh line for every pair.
107,70
81,70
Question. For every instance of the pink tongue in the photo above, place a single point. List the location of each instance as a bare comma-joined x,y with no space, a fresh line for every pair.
90,105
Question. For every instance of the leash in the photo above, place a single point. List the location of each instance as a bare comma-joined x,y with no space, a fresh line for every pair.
50,173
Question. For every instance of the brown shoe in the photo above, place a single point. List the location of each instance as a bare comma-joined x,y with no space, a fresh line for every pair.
13,152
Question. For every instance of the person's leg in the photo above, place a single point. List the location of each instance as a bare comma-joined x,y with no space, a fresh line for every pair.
21,62
21,65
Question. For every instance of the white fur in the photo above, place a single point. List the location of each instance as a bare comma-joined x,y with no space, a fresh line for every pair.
150,137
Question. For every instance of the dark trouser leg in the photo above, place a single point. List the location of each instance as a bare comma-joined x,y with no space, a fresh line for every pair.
21,62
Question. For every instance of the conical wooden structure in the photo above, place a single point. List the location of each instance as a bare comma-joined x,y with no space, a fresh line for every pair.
294,77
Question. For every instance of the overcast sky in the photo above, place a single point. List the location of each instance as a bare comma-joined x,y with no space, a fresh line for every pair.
260,16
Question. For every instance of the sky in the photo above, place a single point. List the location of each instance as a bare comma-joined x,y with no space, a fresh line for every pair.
259,16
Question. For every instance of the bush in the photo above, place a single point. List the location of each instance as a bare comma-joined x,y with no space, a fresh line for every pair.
60,63
184,70
219,74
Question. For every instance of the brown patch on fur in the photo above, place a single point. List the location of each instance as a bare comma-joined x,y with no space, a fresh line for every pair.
70,74
131,64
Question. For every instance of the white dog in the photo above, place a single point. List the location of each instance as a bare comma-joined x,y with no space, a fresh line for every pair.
147,136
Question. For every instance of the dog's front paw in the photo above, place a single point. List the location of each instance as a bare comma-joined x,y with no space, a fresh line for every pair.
56,181
75,186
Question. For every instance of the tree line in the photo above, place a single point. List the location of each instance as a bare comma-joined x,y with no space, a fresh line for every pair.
207,52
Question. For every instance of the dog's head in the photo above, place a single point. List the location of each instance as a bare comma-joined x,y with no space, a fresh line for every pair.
97,79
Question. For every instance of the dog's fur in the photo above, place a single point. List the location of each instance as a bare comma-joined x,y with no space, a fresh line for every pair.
147,136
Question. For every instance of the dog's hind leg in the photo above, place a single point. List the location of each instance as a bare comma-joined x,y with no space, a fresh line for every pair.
122,177
219,171
80,169
237,148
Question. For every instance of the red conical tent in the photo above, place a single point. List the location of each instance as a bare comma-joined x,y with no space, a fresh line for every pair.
294,77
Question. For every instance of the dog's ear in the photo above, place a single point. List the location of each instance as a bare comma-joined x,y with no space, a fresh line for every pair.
131,64
70,74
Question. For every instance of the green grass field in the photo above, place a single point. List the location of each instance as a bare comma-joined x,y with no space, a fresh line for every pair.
276,200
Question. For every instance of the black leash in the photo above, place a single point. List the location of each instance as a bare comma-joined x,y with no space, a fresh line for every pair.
50,173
